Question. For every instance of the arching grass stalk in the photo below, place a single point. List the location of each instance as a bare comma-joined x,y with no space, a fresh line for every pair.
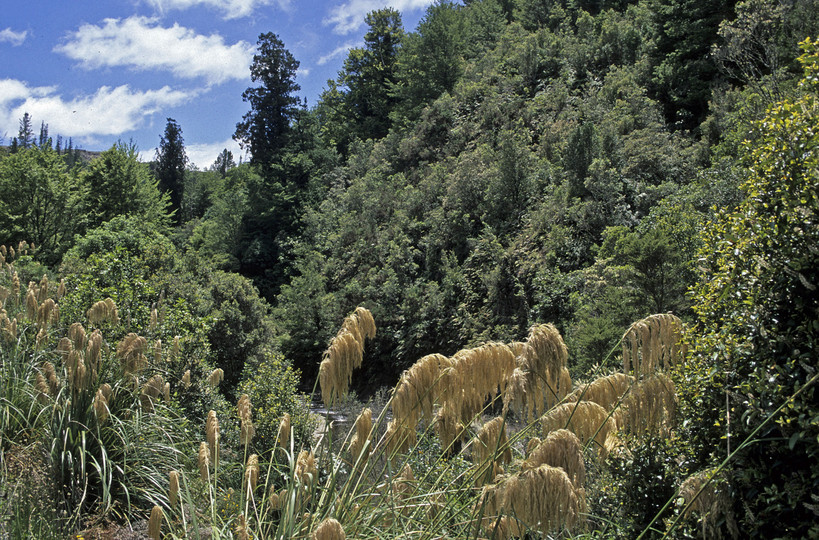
749,440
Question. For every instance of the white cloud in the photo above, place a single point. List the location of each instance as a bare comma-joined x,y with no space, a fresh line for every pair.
140,43
349,17
232,9
109,111
336,53
202,155
15,38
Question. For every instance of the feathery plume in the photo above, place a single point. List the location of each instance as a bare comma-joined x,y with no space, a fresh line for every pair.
61,289
247,430
344,354
586,419
283,435
173,490
252,472
42,289
155,523
562,449
212,436
186,378
131,353
491,438
43,390
158,351
76,335
329,529
104,310
152,324
306,470
710,498
541,499
650,407
541,378
31,302
606,391
101,406
44,313
204,461
241,528
652,344
51,377
216,376
363,426
15,287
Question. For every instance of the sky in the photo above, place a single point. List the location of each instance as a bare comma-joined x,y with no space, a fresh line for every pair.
100,71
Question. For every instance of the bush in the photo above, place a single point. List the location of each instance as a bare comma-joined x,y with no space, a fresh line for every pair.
272,389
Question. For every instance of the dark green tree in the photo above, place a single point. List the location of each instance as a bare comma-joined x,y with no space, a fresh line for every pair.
264,130
224,162
370,73
171,162
25,136
685,70
431,60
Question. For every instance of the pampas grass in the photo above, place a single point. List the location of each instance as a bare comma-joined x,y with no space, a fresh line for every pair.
104,310
344,354
542,499
710,498
650,407
586,419
329,529
246,429
562,449
359,449
653,343
131,353
155,523
540,378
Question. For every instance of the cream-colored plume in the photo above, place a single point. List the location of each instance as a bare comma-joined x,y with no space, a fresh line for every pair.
653,343
540,500
344,354
363,426
562,449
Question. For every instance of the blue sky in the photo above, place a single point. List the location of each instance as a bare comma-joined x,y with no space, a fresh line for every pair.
104,70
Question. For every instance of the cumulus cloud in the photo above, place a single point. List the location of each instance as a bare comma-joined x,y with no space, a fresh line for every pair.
109,111
15,38
336,53
231,9
349,16
140,43
202,155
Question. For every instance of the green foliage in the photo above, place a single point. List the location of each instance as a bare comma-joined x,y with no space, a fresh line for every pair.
41,203
116,184
240,332
757,310
272,386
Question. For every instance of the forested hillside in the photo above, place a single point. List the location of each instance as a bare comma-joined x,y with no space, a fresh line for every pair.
564,253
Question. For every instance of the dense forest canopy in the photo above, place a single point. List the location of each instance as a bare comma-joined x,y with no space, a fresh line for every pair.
504,165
